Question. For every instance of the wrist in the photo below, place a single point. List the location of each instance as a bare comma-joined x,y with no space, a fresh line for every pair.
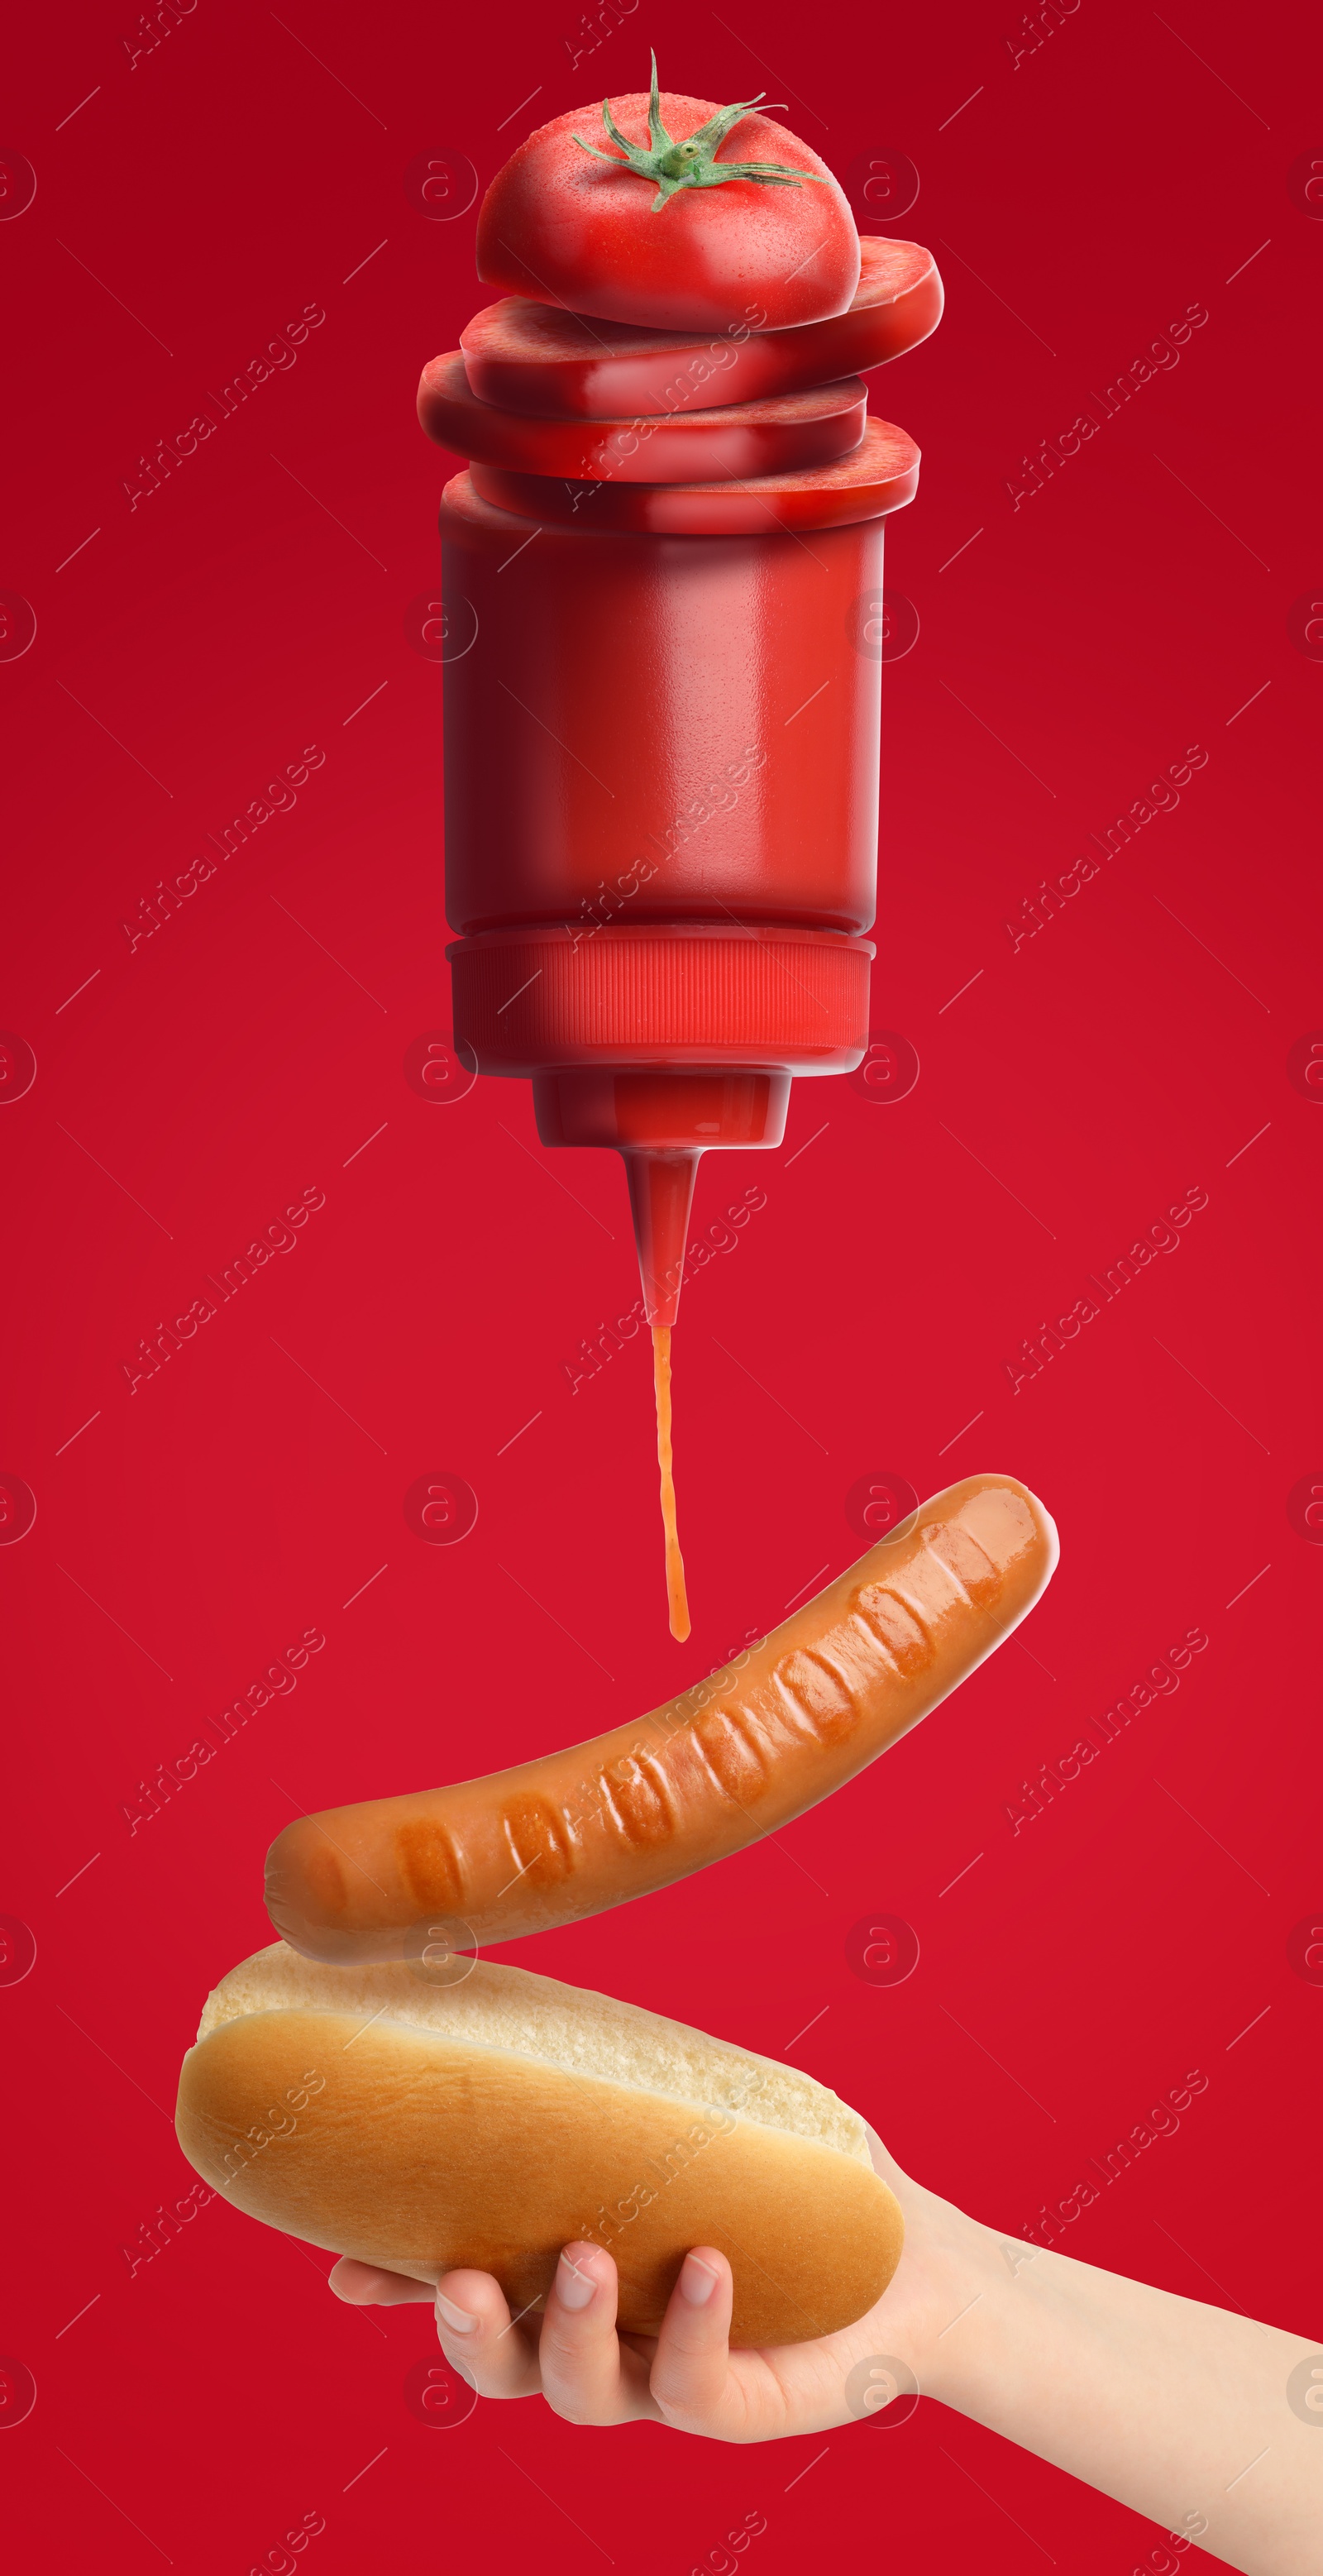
952,2274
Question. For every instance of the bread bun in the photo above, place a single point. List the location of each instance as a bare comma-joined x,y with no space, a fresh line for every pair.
488,2121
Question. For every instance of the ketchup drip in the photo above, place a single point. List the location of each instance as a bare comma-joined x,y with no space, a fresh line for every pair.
676,1596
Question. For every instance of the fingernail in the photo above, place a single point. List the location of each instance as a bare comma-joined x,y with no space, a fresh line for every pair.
458,2319
697,2281
574,2288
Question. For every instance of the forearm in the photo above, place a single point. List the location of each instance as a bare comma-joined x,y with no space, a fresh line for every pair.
1176,2409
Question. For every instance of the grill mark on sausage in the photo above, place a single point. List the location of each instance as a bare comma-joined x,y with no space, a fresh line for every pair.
853,1649
638,1799
899,1631
817,1690
429,1863
326,1878
542,1847
971,1569
730,1748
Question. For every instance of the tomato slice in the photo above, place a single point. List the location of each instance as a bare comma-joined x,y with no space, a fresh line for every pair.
780,435
881,474
533,358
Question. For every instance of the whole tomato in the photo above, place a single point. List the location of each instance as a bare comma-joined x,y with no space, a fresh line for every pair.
671,213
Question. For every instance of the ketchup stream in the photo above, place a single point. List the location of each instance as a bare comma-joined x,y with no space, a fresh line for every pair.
676,1596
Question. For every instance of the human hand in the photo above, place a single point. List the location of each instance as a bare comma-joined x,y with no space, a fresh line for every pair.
686,2376
1157,2400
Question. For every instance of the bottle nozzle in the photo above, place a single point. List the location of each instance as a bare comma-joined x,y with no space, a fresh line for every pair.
661,1192
660,1121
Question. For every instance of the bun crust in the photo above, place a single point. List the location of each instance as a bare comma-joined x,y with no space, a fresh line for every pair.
419,2150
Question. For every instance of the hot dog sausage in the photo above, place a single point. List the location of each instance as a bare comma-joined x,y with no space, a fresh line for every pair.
727,1762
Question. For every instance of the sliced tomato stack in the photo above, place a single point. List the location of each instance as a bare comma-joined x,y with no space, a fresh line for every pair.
604,425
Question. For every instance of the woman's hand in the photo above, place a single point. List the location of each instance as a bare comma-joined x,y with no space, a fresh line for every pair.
686,2376
1203,2421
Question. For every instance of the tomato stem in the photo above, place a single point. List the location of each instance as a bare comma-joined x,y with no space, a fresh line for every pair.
691,163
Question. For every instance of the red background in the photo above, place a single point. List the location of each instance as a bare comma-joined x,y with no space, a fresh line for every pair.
1071,651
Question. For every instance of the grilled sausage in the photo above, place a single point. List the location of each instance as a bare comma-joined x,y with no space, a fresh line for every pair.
554,1840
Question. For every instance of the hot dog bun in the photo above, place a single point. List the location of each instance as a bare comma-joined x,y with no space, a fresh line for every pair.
729,1761
422,2126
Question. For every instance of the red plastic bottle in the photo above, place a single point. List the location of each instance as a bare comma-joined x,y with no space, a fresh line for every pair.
661,774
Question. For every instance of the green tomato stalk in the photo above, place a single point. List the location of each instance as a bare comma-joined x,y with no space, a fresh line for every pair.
691,164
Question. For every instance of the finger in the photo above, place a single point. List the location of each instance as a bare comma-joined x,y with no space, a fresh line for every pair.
586,2376
366,2285
691,2375
481,2340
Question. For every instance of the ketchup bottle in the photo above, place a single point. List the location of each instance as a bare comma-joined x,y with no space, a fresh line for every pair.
661,808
